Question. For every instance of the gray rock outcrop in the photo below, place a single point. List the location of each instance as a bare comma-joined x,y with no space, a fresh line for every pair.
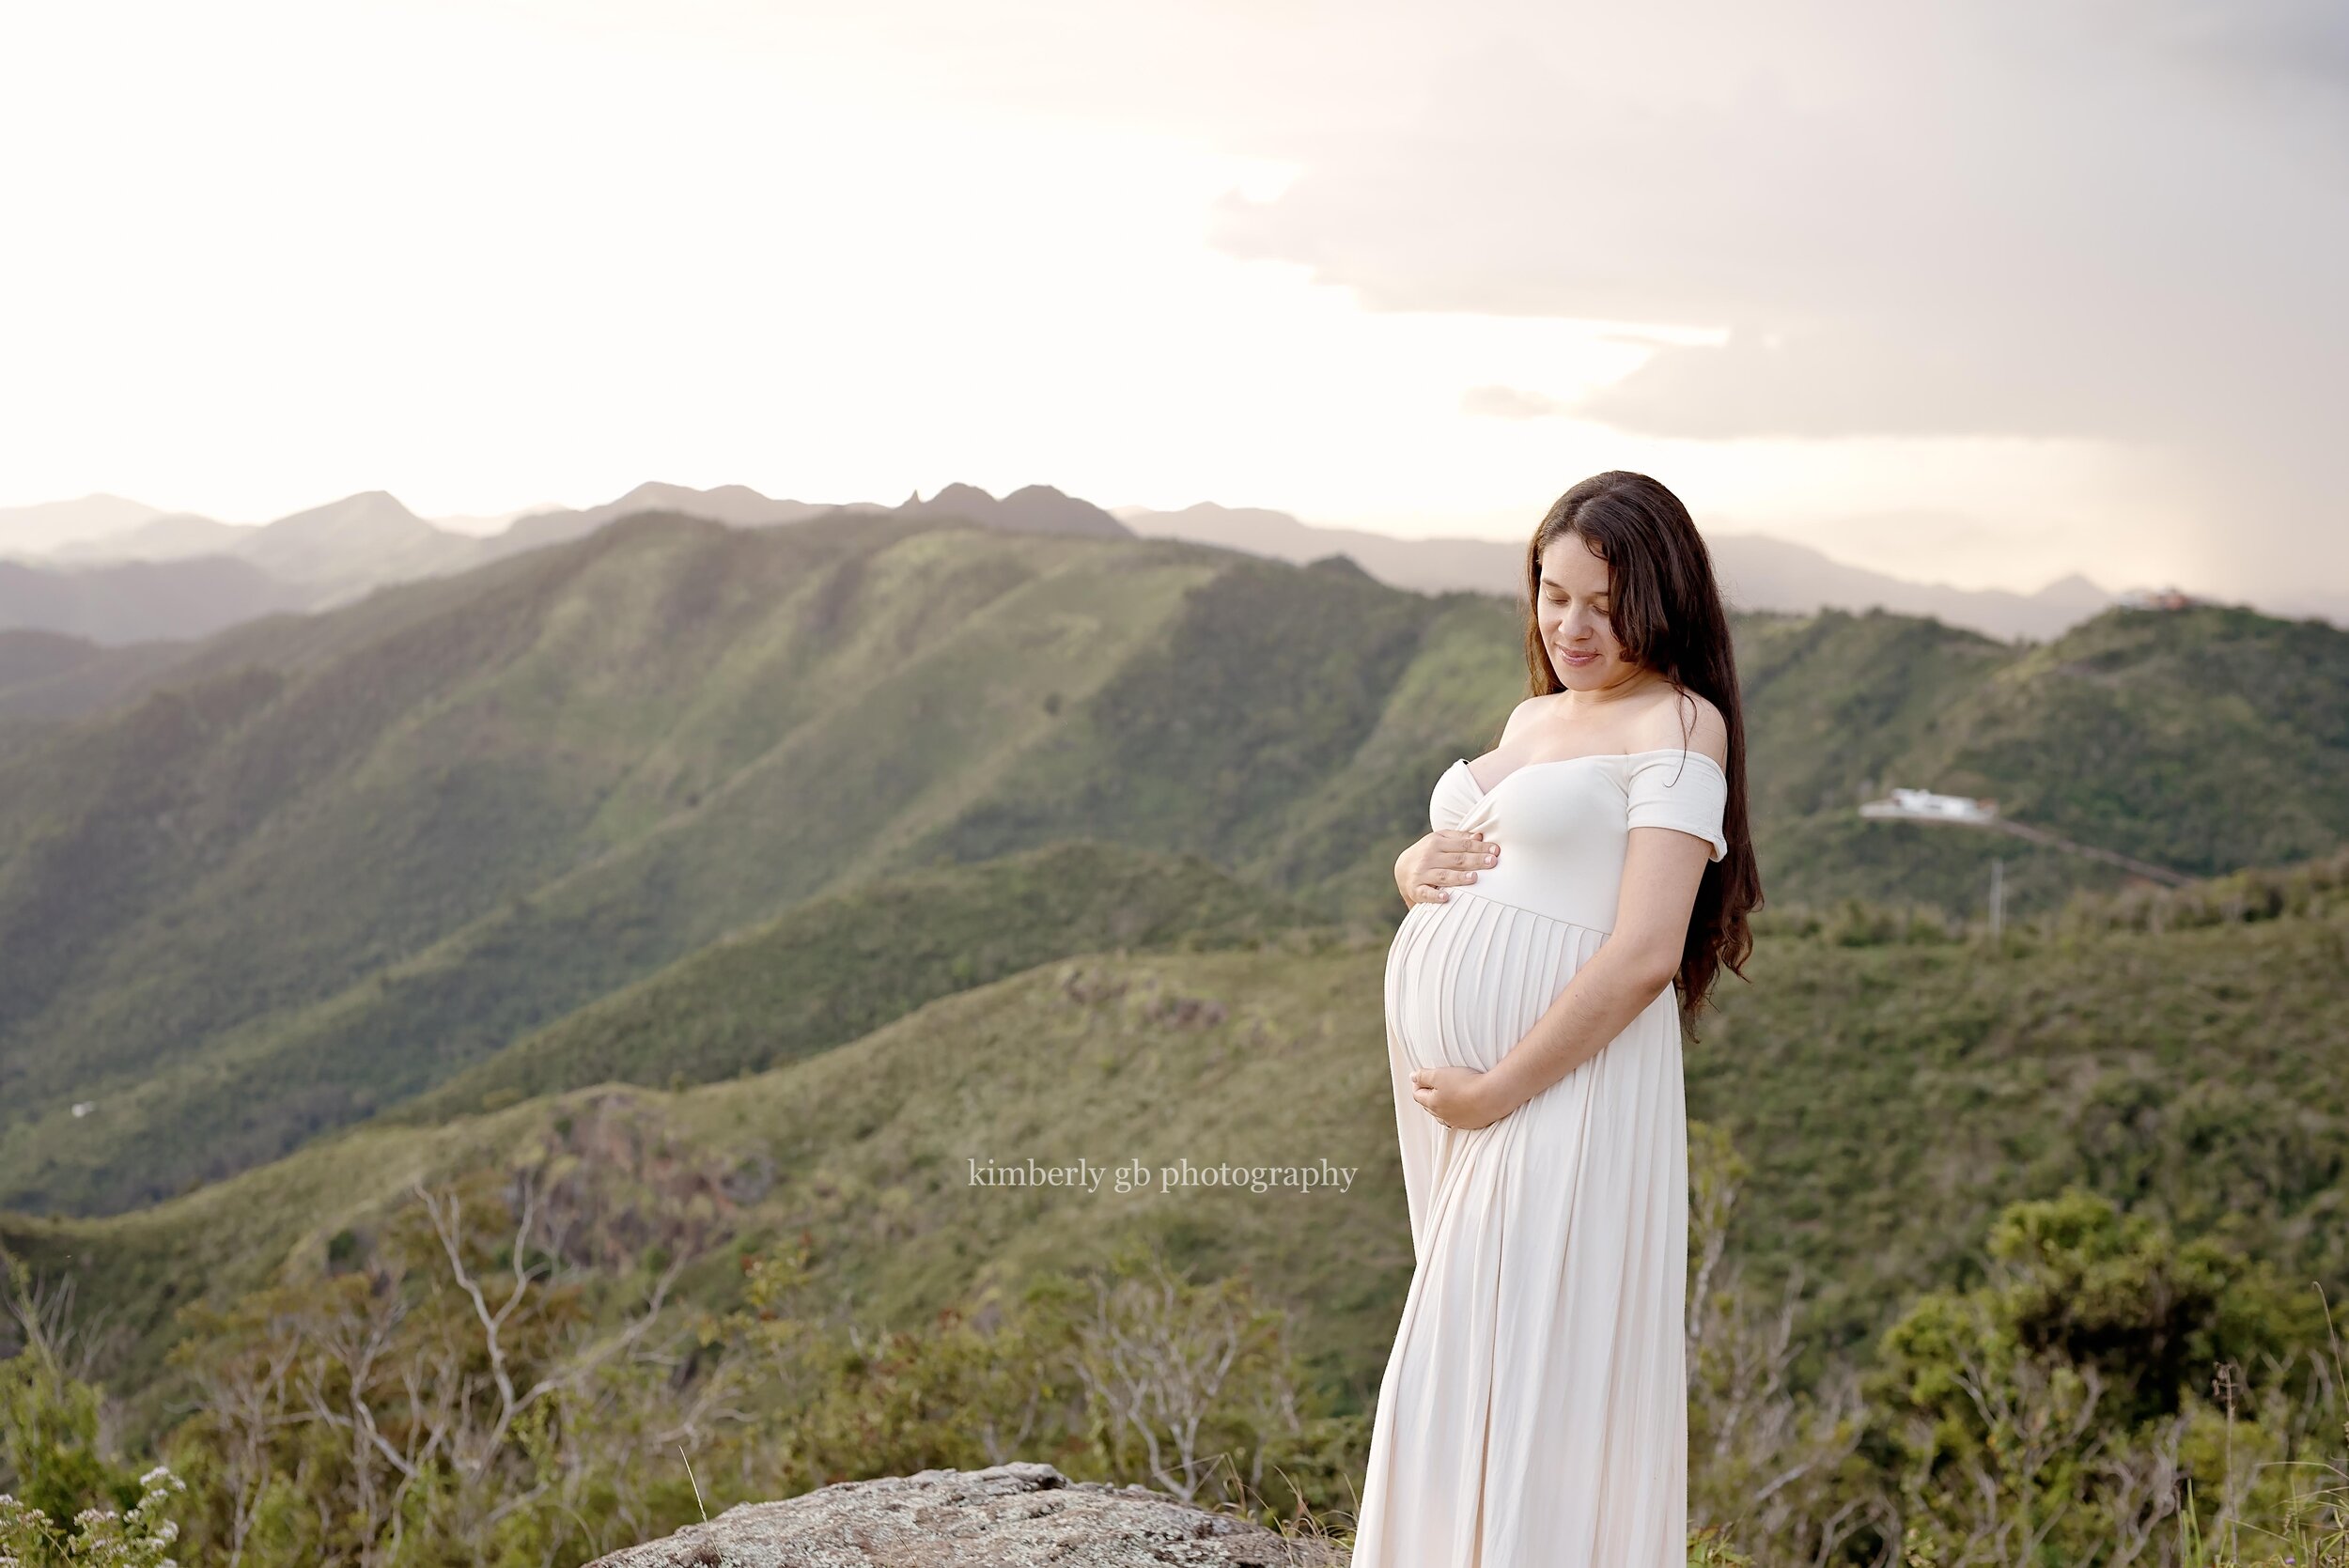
1009,1517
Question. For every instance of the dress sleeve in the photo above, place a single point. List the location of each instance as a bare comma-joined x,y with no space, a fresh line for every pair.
1680,789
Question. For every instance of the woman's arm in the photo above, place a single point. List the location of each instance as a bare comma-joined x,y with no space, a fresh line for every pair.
1662,868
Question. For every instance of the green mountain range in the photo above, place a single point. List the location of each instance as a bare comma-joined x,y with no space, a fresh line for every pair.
414,852
1890,1087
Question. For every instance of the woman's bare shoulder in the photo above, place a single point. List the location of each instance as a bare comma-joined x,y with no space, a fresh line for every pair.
1528,711
1686,718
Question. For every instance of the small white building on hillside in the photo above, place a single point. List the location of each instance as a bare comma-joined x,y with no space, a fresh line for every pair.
1925,804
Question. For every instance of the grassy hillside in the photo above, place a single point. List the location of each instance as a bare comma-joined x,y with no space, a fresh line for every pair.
2203,740
451,830
1891,1096
824,973
333,862
840,966
1836,703
1893,1093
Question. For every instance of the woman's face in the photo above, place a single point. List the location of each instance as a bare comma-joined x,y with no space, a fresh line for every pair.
1572,609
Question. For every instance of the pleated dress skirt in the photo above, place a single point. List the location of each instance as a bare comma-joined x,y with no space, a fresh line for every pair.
1534,1413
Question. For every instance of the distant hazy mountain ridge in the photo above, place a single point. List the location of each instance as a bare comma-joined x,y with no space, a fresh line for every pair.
1757,571
329,554
117,571
126,601
53,525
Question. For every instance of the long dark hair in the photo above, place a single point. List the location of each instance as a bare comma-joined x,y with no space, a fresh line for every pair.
1668,616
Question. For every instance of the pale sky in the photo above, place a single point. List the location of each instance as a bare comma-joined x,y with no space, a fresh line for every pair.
1984,293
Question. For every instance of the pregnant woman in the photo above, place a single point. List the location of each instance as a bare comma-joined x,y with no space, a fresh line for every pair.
1533,1412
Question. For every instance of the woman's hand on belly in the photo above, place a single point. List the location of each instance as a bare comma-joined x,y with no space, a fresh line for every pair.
1448,858
1456,1097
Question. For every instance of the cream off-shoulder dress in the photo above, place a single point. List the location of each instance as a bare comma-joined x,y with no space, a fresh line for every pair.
1534,1408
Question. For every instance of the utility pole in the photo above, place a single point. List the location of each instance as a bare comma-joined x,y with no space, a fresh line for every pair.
1997,894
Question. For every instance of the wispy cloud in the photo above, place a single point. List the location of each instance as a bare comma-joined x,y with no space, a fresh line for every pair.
1509,402
2088,220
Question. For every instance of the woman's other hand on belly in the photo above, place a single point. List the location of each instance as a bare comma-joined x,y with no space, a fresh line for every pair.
1456,1097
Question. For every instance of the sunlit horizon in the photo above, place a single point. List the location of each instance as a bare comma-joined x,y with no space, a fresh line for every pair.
491,257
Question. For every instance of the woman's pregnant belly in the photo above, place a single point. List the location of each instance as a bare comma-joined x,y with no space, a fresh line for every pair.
1468,977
